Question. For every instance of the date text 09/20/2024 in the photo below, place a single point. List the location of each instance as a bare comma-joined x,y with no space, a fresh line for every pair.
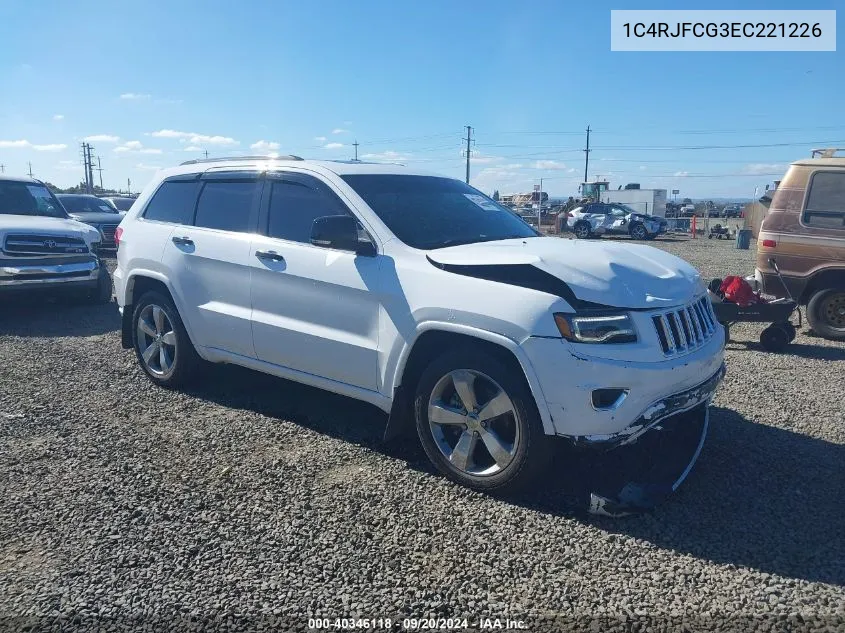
415,624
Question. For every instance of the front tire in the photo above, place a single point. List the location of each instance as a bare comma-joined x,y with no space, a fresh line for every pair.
103,292
582,231
478,422
161,343
826,313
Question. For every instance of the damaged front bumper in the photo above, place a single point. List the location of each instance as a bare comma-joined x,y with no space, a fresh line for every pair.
635,472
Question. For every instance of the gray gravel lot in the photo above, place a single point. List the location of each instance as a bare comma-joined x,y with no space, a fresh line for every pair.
253,502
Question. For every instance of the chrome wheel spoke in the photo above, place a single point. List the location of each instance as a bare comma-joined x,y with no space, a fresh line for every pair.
464,382
158,319
150,352
498,451
496,406
146,327
462,452
442,414
163,363
169,338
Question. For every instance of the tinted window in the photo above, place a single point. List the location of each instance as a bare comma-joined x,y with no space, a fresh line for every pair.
85,204
23,198
826,202
123,204
431,212
173,202
294,207
227,206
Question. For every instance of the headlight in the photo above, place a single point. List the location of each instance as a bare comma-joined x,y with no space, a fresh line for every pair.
596,328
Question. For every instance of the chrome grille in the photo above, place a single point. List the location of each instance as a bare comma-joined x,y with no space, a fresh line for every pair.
108,234
687,328
33,244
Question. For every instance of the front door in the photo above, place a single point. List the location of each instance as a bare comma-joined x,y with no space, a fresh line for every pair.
314,309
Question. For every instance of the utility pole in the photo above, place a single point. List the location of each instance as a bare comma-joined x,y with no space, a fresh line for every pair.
205,153
587,155
540,204
129,186
30,169
468,139
355,145
90,170
100,169
2,169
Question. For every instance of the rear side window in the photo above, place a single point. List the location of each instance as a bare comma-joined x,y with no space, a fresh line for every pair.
173,202
294,207
228,206
826,201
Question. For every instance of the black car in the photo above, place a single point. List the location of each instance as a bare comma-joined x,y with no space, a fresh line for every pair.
92,210
121,203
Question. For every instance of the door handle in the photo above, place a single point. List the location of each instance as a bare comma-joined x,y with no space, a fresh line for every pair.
182,241
271,255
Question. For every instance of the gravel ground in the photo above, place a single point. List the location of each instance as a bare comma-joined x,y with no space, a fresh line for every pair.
252,502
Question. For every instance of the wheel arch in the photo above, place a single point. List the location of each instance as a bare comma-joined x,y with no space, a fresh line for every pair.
138,284
434,338
826,278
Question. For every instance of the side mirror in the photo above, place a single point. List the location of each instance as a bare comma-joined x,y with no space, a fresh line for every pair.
340,232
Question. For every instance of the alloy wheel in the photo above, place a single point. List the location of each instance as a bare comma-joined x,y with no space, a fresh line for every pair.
582,231
474,423
156,340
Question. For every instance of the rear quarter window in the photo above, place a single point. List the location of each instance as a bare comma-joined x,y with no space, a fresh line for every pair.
826,200
173,202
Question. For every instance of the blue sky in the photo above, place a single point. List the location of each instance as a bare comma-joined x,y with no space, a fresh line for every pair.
155,83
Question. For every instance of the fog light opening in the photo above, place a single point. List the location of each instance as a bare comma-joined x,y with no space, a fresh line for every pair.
608,399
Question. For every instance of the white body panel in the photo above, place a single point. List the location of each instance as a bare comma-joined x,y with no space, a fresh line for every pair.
347,323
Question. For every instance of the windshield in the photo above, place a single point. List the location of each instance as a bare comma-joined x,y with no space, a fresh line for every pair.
429,212
122,204
24,198
86,204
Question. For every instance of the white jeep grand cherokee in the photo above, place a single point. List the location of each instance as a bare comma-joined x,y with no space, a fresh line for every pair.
422,296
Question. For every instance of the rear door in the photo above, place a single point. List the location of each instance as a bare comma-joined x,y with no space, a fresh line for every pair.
315,309
209,261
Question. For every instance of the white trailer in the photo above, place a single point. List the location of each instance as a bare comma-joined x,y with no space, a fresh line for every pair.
646,201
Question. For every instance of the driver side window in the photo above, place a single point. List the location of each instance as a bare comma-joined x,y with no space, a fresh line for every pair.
294,205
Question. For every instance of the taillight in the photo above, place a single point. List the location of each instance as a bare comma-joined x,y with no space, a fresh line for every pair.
766,243
117,233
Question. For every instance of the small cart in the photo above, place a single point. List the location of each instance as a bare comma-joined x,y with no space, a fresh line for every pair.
781,331
718,231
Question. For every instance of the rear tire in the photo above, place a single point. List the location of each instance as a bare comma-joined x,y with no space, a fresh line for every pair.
639,232
161,343
826,313
504,452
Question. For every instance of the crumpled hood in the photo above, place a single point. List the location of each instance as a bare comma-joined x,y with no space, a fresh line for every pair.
609,273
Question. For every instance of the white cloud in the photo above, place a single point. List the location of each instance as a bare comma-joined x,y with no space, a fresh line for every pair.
388,155
681,174
193,138
170,134
134,96
58,117
643,167
571,170
102,138
340,130
265,146
549,164
136,146
192,148
23,143
332,145
483,159
197,139
764,168
321,139
145,167
10,144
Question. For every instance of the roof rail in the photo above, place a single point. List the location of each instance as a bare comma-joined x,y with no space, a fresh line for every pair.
220,159
827,152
